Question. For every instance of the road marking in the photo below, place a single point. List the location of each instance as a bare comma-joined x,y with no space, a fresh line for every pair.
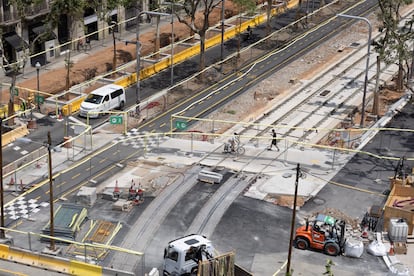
76,175
102,160
12,272
61,184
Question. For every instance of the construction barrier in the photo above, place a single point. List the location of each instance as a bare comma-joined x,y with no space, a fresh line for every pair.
4,251
183,55
12,135
49,262
82,268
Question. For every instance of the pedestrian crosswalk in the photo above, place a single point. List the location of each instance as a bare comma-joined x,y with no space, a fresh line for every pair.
137,140
23,208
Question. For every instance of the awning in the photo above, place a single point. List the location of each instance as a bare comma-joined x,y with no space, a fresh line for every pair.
39,30
90,19
15,41
46,35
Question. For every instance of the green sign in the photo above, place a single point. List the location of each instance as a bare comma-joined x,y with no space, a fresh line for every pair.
39,99
14,91
181,125
115,120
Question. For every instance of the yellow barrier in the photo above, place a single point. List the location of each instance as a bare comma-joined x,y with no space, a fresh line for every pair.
49,262
52,263
81,268
65,110
11,136
184,55
4,251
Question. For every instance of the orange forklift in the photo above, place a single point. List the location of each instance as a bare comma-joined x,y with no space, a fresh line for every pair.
324,233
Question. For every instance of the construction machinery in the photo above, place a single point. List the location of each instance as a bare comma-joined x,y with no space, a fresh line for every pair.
323,233
195,255
182,256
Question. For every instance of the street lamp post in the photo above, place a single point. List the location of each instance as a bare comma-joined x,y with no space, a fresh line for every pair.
172,43
52,219
367,64
138,54
222,32
2,235
38,65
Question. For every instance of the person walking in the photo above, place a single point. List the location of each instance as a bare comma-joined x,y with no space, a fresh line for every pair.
274,141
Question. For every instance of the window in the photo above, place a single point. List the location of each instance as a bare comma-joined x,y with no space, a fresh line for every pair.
173,255
92,98
106,99
116,93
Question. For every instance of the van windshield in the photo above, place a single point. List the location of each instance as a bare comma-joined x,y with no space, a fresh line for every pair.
92,98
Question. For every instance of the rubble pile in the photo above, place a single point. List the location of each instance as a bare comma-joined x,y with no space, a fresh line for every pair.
354,223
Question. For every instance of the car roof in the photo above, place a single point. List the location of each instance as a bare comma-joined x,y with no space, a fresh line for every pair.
189,241
105,89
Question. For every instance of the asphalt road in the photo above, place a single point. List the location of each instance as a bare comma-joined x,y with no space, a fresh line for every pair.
254,228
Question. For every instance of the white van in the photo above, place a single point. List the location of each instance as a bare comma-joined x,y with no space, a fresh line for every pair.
103,99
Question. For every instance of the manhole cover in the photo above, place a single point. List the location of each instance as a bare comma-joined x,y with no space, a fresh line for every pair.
355,44
287,175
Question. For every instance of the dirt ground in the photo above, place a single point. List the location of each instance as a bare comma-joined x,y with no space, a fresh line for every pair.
264,94
54,80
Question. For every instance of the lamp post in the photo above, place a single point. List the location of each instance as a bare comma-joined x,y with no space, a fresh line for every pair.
222,32
2,235
172,43
38,65
367,65
138,53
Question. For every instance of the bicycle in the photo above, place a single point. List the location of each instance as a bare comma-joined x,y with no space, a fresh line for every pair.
239,149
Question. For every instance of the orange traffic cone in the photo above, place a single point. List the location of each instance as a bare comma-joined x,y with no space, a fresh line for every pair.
391,253
365,233
11,181
116,189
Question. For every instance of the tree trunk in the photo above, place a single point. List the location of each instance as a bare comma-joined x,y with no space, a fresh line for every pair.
114,57
68,65
400,78
268,14
202,50
10,109
157,39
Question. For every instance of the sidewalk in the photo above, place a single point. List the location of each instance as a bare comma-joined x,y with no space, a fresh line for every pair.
30,72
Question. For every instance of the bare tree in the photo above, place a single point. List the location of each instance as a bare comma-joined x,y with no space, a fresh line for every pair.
74,10
393,47
198,24
15,66
242,6
103,10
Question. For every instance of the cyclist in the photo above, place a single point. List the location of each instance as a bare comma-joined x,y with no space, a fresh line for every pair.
234,141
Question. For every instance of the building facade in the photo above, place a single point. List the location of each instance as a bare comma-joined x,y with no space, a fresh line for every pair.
27,39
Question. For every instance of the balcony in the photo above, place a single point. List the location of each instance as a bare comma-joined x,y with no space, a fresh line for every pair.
9,17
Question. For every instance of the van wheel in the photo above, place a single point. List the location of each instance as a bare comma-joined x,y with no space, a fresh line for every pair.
121,105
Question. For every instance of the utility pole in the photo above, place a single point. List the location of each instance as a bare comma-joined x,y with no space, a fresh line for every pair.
292,226
2,235
367,63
